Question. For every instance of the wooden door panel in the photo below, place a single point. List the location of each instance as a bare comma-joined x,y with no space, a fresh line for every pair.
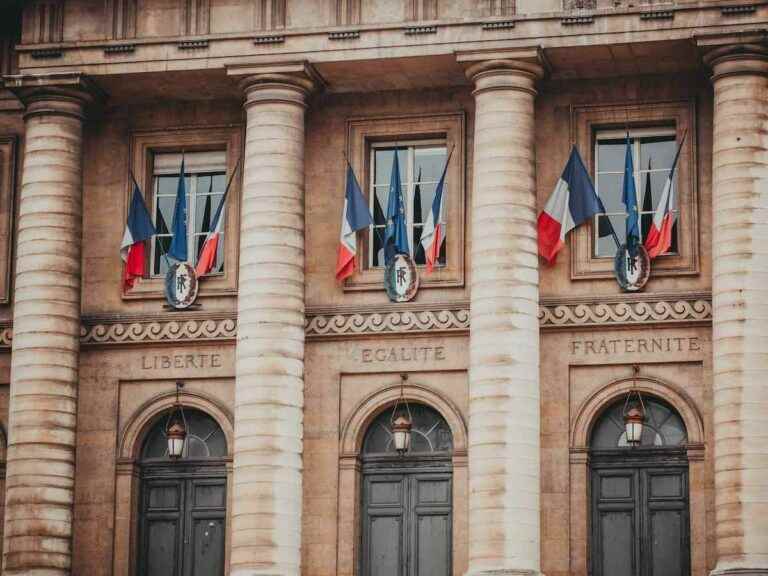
207,547
385,546
162,539
617,543
667,543
432,545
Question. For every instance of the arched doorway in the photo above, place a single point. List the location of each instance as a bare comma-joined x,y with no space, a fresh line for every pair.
182,514
407,511
639,495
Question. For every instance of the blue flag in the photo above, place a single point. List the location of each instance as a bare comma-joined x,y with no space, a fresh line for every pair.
629,198
178,249
396,234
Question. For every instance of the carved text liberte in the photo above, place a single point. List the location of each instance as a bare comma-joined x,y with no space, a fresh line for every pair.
165,361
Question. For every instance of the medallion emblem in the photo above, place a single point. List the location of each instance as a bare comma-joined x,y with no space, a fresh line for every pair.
181,286
632,272
401,279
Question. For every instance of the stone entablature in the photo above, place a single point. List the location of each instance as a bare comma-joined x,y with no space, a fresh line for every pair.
327,323
125,46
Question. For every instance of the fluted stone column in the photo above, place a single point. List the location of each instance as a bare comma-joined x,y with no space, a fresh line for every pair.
269,389
504,336
40,473
740,307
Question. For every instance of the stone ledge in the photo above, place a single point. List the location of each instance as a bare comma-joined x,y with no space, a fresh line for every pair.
333,323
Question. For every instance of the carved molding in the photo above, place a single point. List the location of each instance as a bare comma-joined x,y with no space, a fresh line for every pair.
387,322
177,327
196,328
696,310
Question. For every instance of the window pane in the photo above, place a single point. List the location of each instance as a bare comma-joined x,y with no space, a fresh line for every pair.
609,188
383,158
430,162
659,150
423,196
160,266
205,209
611,155
606,245
380,205
378,246
418,250
166,185
164,213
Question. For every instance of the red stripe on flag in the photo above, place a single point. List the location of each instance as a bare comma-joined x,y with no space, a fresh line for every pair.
134,264
659,241
207,257
549,237
345,262
433,254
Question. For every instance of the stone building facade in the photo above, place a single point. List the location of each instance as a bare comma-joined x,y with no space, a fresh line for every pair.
516,372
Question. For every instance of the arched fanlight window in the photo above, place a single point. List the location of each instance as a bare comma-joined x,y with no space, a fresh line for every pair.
205,439
430,433
663,427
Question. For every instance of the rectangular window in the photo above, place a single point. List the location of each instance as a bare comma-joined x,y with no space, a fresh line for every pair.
421,165
205,184
653,151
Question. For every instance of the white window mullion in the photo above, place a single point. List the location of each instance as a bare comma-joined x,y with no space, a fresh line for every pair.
410,187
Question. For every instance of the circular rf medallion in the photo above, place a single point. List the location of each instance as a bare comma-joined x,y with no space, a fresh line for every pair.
181,286
401,279
632,273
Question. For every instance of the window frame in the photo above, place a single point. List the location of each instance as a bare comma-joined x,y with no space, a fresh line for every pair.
639,173
408,191
145,144
192,192
448,129
678,116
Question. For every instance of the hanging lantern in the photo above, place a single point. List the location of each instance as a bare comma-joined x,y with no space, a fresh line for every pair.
402,424
633,424
634,416
401,431
176,427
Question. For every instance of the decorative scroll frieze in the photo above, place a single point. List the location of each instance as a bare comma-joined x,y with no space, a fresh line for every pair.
625,313
340,323
389,322
149,331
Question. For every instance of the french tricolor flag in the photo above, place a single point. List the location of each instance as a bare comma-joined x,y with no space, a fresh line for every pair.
433,235
572,202
138,228
659,237
207,259
354,217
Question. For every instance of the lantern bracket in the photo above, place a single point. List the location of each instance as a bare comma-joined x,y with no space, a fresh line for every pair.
401,400
634,390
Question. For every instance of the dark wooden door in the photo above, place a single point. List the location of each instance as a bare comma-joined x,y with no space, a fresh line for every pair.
640,519
407,523
182,524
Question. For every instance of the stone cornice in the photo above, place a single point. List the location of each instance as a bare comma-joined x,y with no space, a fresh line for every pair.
341,323
622,25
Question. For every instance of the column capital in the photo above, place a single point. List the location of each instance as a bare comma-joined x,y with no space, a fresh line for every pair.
517,69
289,82
735,54
64,94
